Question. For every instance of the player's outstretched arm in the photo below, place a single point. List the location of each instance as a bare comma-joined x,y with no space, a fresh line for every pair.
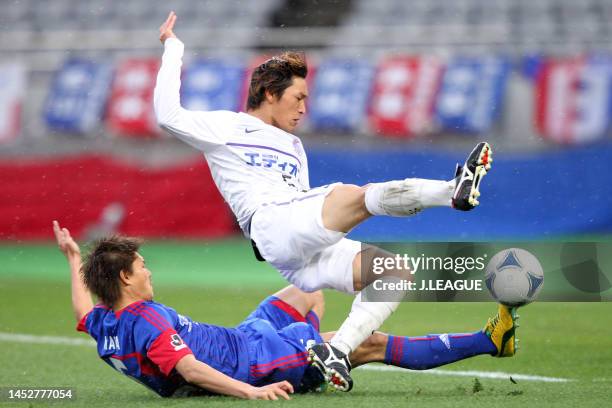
81,298
204,376
166,96
189,126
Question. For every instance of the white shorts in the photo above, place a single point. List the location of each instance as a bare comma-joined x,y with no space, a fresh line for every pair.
291,237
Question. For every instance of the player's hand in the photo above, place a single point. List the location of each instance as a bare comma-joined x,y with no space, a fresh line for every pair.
165,30
65,242
272,391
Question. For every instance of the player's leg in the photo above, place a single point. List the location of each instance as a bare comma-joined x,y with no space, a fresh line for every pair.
310,305
349,205
280,329
392,198
290,305
347,259
366,317
435,350
422,352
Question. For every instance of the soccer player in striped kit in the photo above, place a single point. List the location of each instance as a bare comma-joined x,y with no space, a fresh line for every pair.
264,357
261,170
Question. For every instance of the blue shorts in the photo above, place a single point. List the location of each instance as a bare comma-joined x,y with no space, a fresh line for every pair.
278,336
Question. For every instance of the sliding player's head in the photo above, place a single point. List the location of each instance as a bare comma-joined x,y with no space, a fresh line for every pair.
114,269
278,87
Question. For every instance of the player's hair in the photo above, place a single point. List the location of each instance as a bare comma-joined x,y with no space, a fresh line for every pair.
107,257
275,75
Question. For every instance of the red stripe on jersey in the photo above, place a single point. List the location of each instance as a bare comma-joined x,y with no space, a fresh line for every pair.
282,366
138,313
303,353
286,367
154,318
129,307
126,356
313,319
458,336
394,349
290,310
421,338
295,365
153,314
266,370
400,349
279,361
146,366
144,309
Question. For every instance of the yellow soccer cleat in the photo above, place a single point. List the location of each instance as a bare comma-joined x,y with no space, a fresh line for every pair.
501,330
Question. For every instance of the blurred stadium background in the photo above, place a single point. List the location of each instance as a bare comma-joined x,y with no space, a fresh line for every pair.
398,89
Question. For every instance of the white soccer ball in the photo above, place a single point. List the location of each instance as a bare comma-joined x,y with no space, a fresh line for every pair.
514,277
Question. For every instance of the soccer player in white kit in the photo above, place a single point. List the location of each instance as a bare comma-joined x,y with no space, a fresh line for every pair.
261,170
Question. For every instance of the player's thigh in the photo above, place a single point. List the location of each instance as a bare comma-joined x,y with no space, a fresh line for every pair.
288,234
332,268
303,302
279,313
365,266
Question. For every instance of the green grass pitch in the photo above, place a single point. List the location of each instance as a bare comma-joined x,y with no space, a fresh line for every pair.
221,283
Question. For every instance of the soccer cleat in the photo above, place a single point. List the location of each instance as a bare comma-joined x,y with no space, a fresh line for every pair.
333,364
501,330
468,177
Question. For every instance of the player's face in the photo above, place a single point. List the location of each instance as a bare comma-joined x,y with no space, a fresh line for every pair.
141,278
291,106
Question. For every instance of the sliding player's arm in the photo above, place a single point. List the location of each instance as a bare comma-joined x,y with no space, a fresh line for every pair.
194,128
204,376
81,298
154,333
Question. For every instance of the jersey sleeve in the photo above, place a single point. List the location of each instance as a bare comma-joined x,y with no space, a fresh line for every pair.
82,324
167,350
155,333
202,130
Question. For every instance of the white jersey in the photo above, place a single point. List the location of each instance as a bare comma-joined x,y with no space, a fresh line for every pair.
251,162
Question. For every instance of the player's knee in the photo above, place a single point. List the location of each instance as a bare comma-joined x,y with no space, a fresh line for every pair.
344,208
317,302
317,298
350,192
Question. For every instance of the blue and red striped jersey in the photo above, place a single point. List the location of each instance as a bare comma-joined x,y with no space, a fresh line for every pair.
146,340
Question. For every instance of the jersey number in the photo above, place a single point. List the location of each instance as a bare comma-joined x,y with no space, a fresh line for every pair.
177,342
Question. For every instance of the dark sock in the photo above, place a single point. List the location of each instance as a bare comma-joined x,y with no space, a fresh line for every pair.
435,350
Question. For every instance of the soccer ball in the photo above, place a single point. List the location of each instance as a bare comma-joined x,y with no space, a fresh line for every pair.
514,277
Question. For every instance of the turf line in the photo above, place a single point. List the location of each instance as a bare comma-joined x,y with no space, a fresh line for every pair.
29,338
496,375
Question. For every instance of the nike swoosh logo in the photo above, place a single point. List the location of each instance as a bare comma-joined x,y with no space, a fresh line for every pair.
251,130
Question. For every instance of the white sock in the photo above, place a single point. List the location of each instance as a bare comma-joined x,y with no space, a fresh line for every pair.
362,321
402,198
436,193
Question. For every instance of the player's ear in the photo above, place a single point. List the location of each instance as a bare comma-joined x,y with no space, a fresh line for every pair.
124,277
269,97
